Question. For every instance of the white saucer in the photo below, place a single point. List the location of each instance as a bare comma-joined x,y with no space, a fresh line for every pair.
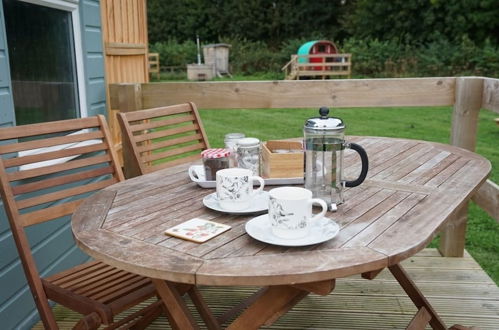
258,204
259,228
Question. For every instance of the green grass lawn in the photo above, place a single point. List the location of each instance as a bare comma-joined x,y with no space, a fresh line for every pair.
429,123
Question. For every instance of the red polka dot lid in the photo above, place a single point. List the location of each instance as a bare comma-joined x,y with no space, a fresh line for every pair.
215,153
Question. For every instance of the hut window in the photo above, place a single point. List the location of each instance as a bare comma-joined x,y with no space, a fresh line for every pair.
45,59
321,48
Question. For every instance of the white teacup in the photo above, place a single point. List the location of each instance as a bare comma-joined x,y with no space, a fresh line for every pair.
290,211
235,188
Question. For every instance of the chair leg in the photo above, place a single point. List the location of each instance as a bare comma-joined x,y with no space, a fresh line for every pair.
147,318
89,322
140,319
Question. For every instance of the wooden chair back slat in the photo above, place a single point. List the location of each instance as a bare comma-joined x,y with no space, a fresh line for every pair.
50,213
168,143
159,112
59,195
173,152
18,132
53,155
141,126
51,169
63,179
165,133
161,137
50,142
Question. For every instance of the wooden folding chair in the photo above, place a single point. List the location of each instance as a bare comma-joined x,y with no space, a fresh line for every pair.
161,137
46,170
158,138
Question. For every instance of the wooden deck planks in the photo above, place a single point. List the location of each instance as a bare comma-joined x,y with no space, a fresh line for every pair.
458,289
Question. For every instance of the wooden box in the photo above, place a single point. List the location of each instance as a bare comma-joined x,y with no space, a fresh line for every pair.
282,159
200,72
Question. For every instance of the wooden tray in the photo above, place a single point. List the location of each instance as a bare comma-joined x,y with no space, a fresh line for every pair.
282,165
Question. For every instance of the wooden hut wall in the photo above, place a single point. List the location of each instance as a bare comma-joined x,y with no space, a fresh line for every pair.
124,29
55,248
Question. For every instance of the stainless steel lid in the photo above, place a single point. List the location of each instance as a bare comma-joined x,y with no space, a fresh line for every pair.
233,136
324,122
248,142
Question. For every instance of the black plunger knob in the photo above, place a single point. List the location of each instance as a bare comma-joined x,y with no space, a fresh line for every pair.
324,112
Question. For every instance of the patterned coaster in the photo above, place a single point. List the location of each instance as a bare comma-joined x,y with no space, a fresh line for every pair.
197,230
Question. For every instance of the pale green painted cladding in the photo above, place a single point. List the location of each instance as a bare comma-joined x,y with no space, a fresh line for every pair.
6,105
53,243
94,57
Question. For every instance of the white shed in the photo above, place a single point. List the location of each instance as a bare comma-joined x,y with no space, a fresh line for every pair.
218,56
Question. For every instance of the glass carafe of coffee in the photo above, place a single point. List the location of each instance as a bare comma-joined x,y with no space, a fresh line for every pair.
324,144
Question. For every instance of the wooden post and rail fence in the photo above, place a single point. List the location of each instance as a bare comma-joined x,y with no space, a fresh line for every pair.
466,94
318,66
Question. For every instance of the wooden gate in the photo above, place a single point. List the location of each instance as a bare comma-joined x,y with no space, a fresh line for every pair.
124,30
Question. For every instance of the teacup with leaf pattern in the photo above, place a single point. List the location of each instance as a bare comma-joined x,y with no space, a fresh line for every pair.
235,188
290,211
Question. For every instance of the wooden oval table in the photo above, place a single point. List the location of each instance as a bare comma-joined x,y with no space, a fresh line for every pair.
413,188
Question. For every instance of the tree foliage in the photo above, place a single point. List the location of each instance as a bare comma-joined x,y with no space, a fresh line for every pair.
423,21
273,22
267,21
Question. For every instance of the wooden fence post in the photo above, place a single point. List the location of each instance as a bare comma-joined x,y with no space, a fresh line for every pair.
468,101
129,99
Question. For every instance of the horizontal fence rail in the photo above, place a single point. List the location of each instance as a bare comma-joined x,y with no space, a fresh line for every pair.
296,94
466,94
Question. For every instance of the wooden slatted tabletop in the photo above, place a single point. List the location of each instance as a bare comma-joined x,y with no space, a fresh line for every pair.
412,189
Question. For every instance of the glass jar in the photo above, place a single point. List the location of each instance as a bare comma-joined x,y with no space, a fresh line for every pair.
213,160
230,141
248,154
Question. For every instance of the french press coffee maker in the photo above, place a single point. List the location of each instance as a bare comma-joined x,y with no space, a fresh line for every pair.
324,144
